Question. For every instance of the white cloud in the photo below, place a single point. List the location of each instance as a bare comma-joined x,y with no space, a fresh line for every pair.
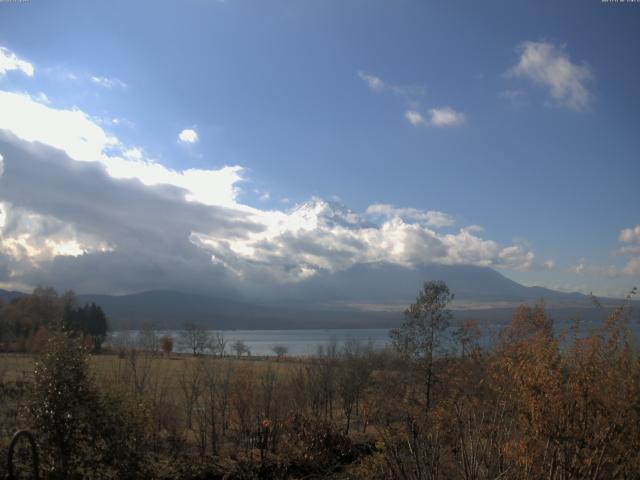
107,82
439,219
122,122
584,268
33,238
323,236
629,250
549,265
188,135
375,83
630,235
547,65
632,268
432,218
69,130
82,138
9,61
109,207
415,118
438,117
69,219
445,117
378,85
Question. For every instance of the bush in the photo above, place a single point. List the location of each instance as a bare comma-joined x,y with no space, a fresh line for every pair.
83,433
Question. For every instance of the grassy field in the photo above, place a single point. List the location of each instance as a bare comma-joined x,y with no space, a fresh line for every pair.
109,367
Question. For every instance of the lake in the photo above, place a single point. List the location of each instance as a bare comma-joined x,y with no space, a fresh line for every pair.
303,342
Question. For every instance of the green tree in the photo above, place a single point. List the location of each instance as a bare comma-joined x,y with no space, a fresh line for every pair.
61,402
85,433
89,320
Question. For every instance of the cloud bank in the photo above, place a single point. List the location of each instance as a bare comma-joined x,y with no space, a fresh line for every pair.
80,209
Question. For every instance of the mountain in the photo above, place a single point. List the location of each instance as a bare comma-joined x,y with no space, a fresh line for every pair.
371,295
379,283
6,295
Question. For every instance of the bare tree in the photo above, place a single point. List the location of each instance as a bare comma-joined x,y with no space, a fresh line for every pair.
352,379
190,381
467,334
148,339
240,348
195,338
218,344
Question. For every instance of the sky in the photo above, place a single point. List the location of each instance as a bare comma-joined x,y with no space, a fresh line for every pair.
217,145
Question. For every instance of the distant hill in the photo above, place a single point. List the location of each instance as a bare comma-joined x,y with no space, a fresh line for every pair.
372,295
7,296
384,282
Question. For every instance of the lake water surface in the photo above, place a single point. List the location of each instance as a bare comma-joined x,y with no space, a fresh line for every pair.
305,342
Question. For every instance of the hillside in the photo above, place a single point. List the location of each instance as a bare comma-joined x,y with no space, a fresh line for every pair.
371,295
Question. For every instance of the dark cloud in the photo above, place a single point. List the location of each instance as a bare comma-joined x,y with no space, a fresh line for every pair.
147,228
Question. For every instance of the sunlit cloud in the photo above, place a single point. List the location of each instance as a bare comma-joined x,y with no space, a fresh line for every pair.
145,218
188,135
9,61
630,235
431,217
84,139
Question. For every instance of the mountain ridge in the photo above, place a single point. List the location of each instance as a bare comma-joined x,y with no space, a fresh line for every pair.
367,295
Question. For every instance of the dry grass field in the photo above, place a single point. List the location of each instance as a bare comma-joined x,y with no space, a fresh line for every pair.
534,406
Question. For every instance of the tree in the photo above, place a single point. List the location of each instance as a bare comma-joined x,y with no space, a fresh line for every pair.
62,392
85,433
280,350
468,336
89,320
353,377
166,345
147,339
240,348
97,326
195,338
218,344
419,336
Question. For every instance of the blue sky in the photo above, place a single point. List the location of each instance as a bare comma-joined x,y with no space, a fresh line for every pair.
519,117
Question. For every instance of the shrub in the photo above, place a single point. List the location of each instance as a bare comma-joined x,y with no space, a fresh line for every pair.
84,433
